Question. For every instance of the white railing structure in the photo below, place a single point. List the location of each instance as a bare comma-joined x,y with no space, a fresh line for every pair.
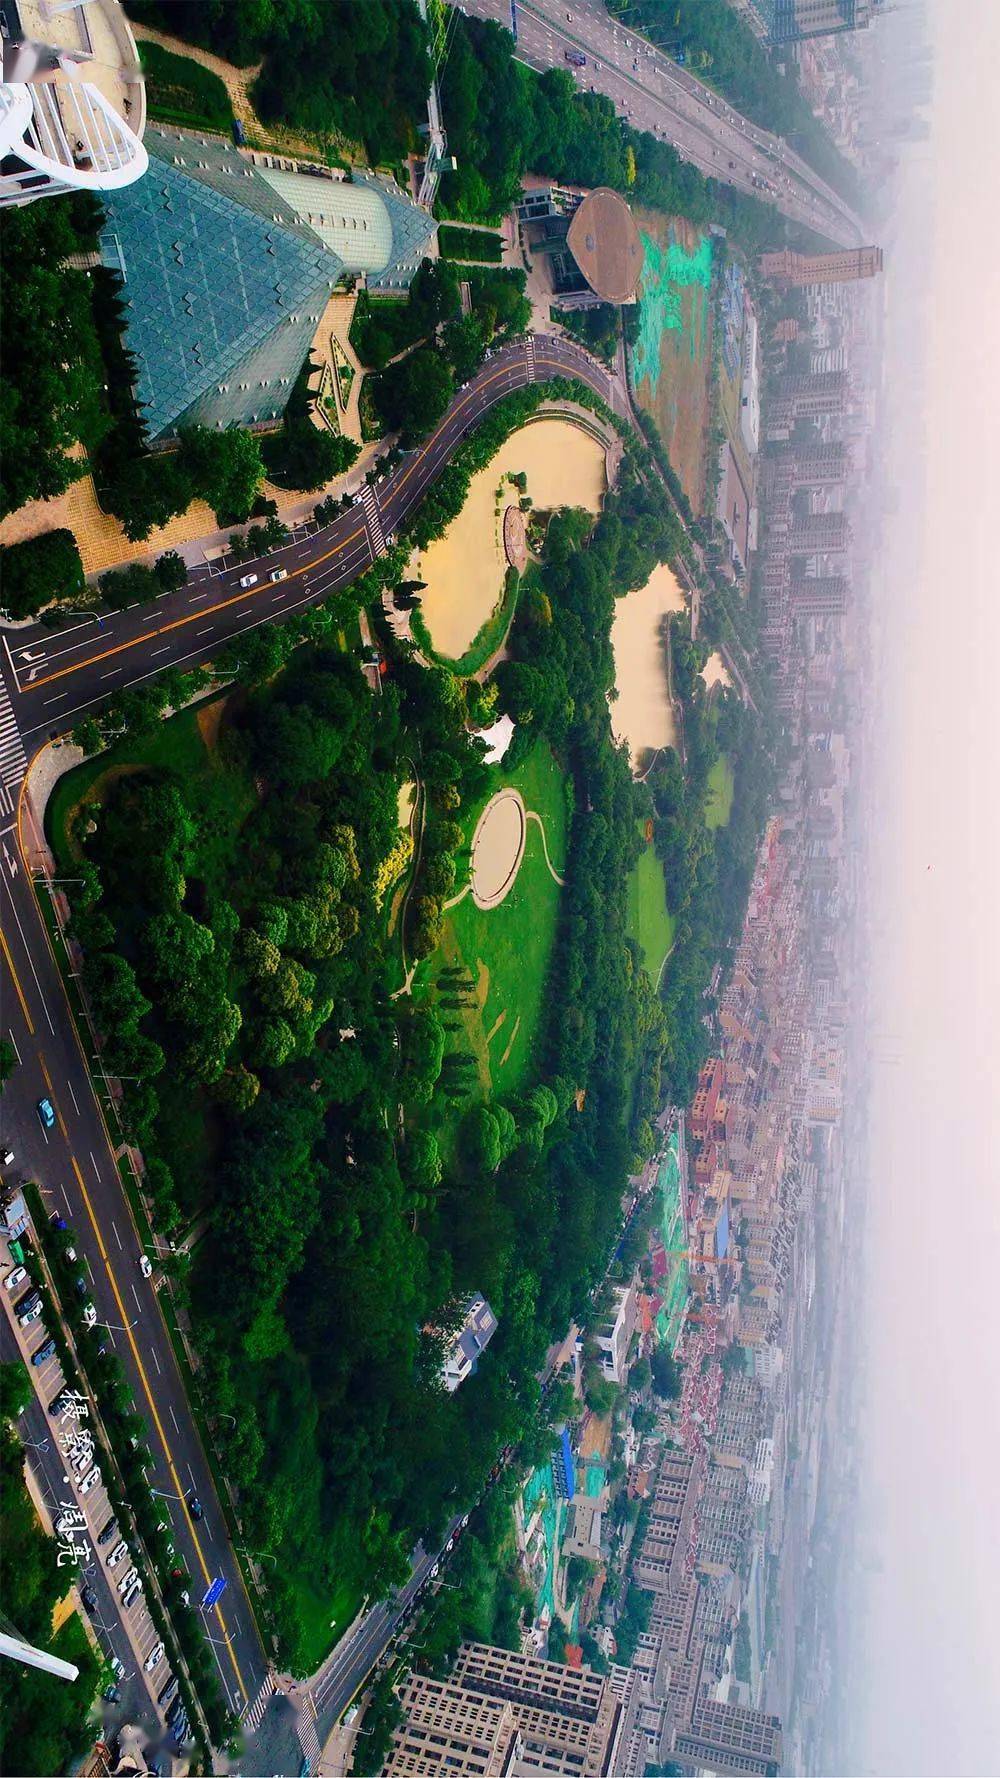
63,135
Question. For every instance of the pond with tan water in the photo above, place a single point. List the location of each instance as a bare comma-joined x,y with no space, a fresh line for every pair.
464,570
642,713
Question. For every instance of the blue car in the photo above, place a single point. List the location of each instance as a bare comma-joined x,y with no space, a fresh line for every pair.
46,1113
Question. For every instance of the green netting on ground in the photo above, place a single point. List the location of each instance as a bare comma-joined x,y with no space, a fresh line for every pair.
666,274
674,1287
594,1478
539,1495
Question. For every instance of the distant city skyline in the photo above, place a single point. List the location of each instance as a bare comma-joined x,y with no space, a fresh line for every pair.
928,1668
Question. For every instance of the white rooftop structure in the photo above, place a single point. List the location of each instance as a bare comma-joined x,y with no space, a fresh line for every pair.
72,99
497,738
468,1343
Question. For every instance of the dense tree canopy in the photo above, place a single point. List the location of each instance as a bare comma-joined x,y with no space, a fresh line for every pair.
49,400
361,72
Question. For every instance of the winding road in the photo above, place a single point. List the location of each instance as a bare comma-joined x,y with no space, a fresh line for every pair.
48,680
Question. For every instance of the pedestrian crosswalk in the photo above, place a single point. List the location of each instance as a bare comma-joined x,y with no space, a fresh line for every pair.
13,763
373,518
308,1738
529,354
253,1712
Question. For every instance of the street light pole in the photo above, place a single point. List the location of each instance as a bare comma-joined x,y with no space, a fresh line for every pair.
256,1555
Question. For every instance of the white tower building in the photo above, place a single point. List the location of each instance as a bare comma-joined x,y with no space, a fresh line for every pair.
72,99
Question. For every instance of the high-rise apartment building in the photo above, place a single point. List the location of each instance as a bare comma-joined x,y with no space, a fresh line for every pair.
446,1728
790,21
666,1559
826,596
731,1740
503,1714
819,531
846,266
72,99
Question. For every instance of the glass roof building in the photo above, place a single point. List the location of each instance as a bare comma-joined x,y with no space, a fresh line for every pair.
227,261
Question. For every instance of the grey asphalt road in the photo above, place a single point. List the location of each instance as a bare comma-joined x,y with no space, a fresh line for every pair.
654,94
47,679
39,1433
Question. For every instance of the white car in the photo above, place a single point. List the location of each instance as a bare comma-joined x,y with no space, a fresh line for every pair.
153,1658
145,1265
247,580
277,574
118,1554
90,1480
89,1315
6,1157
30,1315
16,1277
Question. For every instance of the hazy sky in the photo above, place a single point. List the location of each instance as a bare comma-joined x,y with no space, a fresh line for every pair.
931,1439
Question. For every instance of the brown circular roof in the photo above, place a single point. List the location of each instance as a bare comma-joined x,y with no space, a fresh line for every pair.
606,245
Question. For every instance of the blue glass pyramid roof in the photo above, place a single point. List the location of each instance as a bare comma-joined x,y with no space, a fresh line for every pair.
223,293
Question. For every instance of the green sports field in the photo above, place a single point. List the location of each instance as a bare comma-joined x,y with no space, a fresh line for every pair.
719,804
649,919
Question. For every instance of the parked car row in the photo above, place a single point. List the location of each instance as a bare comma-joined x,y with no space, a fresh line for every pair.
92,1522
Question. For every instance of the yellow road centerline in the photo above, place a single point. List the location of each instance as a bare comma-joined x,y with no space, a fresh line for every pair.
190,617
20,993
175,1478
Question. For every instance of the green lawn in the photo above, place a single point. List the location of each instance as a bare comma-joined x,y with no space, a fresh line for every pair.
649,919
508,948
718,807
323,1618
179,90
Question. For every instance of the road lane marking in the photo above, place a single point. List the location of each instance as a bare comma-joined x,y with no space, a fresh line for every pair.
178,623
118,1238
72,1095
173,1417
135,1293
156,1361
48,1083
140,1367
13,1045
27,952
20,995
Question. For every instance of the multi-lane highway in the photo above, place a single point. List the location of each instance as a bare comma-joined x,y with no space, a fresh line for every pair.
654,94
47,680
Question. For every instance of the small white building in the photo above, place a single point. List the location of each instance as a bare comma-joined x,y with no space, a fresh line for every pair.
750,386
614,1334
466,1345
